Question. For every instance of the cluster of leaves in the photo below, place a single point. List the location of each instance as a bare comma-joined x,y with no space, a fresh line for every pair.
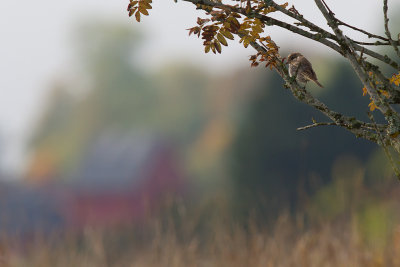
138,7
215,31
223,24
271,57
250,30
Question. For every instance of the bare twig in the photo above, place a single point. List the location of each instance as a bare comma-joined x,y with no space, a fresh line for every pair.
377,43
316,124
387,32
370,35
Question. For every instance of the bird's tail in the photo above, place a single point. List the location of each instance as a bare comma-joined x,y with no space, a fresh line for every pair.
320,85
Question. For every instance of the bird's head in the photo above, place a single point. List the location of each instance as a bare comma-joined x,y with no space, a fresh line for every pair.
293,56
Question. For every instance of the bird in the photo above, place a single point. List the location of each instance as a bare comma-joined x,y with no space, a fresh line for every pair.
300,67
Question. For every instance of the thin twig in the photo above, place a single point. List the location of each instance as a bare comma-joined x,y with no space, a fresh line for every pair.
296,15
377,43
370,35
316,124
387,32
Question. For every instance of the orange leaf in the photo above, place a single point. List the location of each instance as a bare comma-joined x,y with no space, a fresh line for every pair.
143,10
364,91
372,106
137,16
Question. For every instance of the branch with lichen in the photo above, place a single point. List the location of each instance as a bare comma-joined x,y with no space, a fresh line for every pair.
357,127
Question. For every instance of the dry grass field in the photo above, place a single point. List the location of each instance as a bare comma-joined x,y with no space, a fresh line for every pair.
163,244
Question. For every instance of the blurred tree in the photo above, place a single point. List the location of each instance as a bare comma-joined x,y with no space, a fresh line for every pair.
248,18
272,164
118,96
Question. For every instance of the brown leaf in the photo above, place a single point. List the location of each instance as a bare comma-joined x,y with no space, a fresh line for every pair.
254,64
143,10
145,4
132,11
201,21
137,16
253,57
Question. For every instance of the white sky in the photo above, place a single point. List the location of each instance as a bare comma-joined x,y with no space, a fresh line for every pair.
37,48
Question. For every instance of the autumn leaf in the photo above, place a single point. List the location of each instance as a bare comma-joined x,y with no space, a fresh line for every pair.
364,91
137,16
207,48
227,34
145,5
143,10
395,79
217,46
201,21
372,106
222,39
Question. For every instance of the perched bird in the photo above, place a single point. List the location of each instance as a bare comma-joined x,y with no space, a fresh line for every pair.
300,67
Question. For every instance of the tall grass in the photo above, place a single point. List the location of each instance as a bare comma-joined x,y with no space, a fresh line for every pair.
221,243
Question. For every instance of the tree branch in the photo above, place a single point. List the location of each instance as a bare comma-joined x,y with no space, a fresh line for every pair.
347,49
391,116
387,32
329,35
316,124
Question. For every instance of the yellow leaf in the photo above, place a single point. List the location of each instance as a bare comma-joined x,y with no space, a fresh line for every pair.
395,79
372,106
207,48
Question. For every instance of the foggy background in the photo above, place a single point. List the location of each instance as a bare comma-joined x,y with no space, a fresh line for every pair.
106,122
